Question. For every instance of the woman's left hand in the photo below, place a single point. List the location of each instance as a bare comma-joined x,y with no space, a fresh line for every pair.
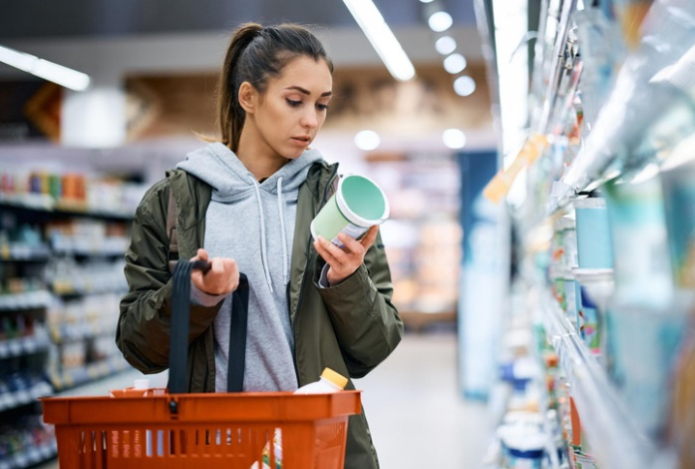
344,262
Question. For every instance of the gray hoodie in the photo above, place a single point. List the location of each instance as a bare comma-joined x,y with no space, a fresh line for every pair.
252,223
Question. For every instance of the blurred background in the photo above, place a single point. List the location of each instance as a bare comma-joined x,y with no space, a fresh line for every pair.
537,158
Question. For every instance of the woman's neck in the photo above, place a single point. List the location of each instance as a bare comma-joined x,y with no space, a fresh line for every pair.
257,156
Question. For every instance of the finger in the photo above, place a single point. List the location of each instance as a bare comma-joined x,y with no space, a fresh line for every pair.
217,266
201,254
327,255
340,256
370,237
352,246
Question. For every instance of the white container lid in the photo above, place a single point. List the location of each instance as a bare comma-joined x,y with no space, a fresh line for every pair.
352,216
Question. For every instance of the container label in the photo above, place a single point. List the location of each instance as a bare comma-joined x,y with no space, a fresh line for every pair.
352,231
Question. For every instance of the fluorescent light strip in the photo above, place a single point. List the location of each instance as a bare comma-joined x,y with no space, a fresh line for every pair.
50,71
382,39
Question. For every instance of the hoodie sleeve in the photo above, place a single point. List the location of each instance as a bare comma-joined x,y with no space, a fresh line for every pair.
145,311
365,321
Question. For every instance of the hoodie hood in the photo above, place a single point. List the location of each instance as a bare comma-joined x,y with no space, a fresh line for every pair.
219,166
234,187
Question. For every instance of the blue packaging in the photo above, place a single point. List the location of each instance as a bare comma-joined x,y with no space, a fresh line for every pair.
594,246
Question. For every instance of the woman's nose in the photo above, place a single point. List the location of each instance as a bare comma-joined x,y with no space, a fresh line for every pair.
309,120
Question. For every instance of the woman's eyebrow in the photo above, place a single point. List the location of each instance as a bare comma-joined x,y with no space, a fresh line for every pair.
307,92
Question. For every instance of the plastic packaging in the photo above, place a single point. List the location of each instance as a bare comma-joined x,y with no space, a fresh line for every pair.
329,381
593,234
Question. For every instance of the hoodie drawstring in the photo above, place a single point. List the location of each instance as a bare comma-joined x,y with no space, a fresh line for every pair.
282,229
264,256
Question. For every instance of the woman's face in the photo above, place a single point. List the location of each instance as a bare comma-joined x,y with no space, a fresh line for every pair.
290,113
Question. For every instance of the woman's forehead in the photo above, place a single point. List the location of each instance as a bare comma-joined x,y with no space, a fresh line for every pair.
305,73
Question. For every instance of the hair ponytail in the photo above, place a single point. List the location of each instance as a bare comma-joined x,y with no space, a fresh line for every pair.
254,54
230,114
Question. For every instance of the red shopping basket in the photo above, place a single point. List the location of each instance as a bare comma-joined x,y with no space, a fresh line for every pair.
157,428
207,430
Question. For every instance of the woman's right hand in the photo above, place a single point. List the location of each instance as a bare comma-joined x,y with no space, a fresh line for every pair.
221,279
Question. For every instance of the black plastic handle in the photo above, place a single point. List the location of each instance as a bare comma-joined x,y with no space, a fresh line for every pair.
205,266
180,317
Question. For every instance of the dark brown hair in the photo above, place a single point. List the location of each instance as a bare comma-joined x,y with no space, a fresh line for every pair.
256,54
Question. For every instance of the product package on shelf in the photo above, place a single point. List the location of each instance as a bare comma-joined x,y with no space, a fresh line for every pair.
72,192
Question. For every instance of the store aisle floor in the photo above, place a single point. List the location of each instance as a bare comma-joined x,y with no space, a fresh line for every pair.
417,419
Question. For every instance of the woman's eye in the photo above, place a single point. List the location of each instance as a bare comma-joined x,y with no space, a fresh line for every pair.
322,107
293,103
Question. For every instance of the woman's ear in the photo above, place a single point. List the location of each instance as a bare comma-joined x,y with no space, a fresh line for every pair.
247,97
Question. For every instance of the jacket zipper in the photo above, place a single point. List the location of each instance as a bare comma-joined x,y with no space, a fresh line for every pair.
306,267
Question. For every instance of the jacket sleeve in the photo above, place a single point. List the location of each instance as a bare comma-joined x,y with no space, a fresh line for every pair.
145,311
366,323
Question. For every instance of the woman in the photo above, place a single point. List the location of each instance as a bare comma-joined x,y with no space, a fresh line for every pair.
249,199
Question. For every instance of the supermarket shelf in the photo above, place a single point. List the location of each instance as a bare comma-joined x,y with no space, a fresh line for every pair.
420,320
69,293
91,252
19,253
101,247
29,300
30,457
609,428
45,204
65,333
87,374
23,346
16,399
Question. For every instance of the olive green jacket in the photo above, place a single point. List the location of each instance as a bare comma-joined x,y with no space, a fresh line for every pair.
350,327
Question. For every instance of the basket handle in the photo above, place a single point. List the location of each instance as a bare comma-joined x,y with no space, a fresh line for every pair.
180,317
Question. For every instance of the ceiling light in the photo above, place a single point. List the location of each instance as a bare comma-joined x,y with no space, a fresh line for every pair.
455,63
464,86
454,139
50,71
440,21
382,39
426,1
367,140
445,45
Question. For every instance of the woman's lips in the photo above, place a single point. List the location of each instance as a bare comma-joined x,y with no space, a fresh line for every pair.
303,141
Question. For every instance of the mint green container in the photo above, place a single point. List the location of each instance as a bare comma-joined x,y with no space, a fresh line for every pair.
357,204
